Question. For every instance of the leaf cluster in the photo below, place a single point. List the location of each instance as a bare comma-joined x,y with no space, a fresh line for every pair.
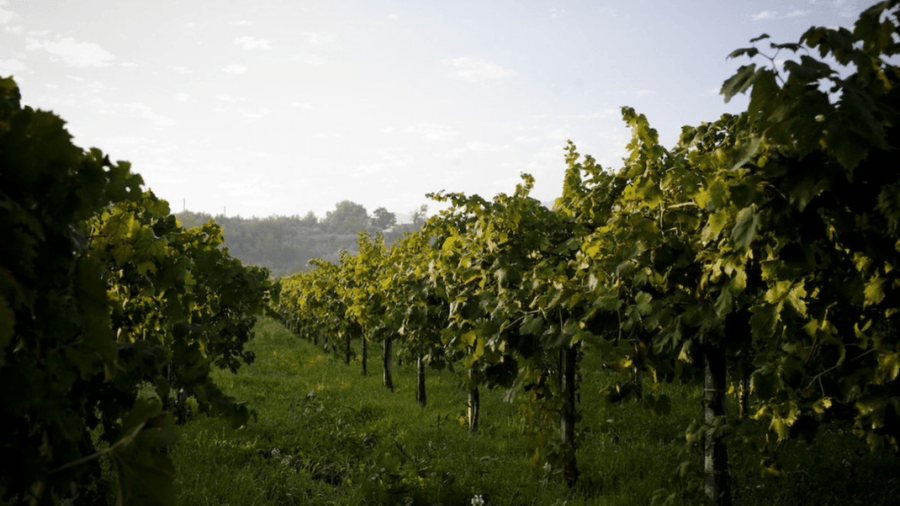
102,294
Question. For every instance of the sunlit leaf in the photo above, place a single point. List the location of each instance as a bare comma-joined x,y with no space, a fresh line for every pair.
874,291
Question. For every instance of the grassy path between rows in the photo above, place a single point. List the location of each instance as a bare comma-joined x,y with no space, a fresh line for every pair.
325,434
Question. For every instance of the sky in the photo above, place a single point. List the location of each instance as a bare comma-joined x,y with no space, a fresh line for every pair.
261,108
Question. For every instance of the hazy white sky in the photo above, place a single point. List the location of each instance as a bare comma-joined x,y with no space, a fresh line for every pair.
282,107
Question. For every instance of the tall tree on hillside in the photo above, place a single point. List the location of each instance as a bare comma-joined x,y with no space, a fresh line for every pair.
347,218
310,220
383,219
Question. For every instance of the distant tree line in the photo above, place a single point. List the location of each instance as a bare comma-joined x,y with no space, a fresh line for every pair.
286,244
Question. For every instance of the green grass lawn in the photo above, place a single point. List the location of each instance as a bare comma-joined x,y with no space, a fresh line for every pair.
327,435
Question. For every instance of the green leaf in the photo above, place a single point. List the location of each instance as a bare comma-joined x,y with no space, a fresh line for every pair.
715,224
789,291
702,198
570,328
740,82
888,368
805,188
809,70
608,299
781,427
145,474
889,204
749,51
763,384
718,193
874,291
592,249
746,152
449,244
796,297
783,418
822,405
642,302
745,227
724,303
582,335
848,149
763,322
532,324
793,46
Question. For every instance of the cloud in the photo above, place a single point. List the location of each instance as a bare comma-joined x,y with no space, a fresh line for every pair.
8,67
847,9
394,159
127,140
6,16
483,146
392,17
318,39
240,23
796,13
476,146
225,97
147,113
477,70
182,70
248,43
556,134
234,68
298,105
605,113
72,52
247,114
432,131
128,64
138,145
325,135
389,160
97,86
611,13
182,97
368,169
311,59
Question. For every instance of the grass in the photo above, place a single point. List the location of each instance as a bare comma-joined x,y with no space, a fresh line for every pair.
327,435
